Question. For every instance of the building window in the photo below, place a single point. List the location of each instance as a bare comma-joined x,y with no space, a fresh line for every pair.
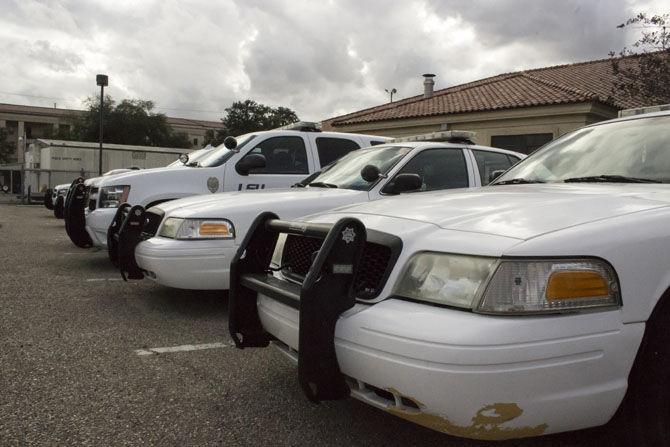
521,143
195,142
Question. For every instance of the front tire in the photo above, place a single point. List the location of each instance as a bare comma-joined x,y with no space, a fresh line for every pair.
643,419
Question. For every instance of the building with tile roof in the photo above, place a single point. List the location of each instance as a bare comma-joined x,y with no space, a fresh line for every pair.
518,111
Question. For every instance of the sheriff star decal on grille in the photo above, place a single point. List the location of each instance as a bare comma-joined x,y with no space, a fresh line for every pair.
348,235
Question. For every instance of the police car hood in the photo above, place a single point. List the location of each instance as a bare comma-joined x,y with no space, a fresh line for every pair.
516,211
169,175
287,202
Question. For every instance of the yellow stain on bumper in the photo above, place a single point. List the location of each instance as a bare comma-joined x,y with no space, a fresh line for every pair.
487,423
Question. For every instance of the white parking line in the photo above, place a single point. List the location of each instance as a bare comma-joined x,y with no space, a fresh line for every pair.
182,348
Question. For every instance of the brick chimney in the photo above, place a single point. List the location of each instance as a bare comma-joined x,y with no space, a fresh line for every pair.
428,85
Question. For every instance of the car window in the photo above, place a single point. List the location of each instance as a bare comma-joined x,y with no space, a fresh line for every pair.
345,173
331,149
487,162
283,155
439,169
221,154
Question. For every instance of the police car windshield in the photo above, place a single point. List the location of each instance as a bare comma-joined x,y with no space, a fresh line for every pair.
346,172
634,150
219,155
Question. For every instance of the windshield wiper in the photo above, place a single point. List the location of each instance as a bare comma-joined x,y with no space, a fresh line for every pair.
605,178
322,185
518,181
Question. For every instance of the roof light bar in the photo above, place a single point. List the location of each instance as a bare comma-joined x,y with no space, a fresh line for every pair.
449,136
304,126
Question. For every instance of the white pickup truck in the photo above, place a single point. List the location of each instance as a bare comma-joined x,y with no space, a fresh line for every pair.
539,304
259,160
190,243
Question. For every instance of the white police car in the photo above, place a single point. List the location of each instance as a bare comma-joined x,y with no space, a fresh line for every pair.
259,160
195,239
537,305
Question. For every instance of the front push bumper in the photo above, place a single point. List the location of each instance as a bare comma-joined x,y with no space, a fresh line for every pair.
196,265
73,213
460,373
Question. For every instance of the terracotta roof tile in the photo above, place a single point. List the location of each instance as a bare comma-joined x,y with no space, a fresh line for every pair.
590,81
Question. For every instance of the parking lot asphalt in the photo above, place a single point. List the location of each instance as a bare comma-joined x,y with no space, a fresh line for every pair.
76,366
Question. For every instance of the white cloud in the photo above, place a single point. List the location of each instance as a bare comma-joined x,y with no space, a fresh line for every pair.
318,58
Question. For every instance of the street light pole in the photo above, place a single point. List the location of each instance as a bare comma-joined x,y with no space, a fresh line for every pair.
102,80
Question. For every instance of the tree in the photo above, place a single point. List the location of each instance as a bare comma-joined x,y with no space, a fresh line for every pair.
249,116
7,148
130,122
649,76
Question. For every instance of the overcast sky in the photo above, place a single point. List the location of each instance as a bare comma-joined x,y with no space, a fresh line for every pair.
321,58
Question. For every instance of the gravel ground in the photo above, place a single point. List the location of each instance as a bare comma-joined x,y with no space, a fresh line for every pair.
69,373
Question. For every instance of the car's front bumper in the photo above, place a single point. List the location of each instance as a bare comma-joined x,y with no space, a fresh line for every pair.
97,224
478,376
200,265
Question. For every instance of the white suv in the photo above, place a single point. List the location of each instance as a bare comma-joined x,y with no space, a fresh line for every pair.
259,160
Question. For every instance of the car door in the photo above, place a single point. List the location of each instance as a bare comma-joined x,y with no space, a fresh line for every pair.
287,162
489,162
439,168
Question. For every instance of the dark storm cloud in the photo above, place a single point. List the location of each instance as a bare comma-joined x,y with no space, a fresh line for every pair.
319,58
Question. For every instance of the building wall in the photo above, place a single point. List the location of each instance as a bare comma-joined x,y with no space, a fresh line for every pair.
556,120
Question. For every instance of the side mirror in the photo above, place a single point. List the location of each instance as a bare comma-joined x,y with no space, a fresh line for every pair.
249,162
495,174
230,143
183,158
404,183
370,173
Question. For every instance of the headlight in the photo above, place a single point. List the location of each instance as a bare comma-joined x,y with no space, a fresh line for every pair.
550,286
113,196
170,227
515,287
453,280
177,228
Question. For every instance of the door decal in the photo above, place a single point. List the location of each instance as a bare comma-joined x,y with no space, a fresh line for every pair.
213,184
251,186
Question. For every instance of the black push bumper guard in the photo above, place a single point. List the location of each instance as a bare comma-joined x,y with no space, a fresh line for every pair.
327,291
73,213
48,204
123,235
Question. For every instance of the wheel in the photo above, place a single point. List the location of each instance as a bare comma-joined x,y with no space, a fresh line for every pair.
643,418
